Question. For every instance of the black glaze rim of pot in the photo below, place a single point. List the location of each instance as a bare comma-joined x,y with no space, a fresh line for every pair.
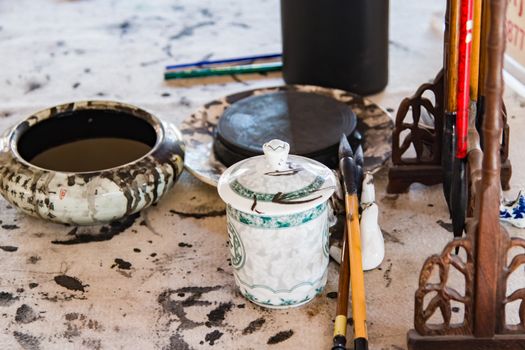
66,109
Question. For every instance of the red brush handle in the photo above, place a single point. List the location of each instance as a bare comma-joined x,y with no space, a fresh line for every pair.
463,92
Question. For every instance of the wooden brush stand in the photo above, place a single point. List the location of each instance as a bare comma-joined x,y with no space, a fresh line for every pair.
483,262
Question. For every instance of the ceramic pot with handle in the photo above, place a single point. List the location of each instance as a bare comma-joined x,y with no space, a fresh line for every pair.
49,168
277,218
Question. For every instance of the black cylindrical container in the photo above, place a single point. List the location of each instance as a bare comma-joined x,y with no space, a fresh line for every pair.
336,43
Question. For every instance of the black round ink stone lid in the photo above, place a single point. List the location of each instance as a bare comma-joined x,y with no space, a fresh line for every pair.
311,123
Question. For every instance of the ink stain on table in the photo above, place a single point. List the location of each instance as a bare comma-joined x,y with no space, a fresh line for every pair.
95,344
10,227
254,326
32,86
177,343
210,214
9,248
280,337
188,30
217,315
331,295
212,337
121,264
389,237
106,232
386,275
71,283
33,259
7,299
446,225
124,27
27,341
26,314
177,307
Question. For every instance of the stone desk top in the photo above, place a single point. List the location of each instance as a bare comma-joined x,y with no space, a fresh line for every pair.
161,279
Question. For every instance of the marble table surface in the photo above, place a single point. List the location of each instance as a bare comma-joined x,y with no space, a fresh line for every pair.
161,279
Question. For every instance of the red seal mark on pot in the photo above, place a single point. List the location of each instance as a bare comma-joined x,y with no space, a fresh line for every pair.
62,194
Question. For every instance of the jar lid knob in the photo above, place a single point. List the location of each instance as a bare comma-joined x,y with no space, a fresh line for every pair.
276,152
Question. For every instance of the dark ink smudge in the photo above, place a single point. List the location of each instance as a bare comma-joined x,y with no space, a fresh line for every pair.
9,248
33,259
71,283
217,315
386,275
27,341
32,86
177,343
121,264
10,227
389,237
210,214
254,326
106,232
25,314
447,226
7,299
188,31
332,295
280,337
177,307
213,336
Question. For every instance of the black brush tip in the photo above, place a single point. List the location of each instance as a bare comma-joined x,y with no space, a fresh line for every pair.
345,150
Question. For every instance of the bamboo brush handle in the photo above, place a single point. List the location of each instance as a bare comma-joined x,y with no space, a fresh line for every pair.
475,55
452,57
357,280
342,292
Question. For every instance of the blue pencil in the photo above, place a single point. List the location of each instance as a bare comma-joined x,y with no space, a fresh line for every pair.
223,61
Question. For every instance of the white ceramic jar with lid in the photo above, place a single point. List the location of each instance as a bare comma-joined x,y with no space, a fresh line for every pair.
277,216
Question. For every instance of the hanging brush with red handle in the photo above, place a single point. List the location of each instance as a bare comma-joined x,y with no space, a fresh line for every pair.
458,191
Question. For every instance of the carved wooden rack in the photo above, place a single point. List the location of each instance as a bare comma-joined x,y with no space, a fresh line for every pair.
419,126
485,261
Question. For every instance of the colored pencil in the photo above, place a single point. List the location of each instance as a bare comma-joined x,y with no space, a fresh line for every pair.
203,63
228,70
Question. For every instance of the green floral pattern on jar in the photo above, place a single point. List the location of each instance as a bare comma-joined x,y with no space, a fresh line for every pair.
276,222
236,248
281,303
238,188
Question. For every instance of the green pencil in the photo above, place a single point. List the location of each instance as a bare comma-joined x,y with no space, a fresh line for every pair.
229,70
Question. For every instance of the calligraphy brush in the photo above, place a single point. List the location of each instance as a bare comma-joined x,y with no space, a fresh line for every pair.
348,171
475,57
341,318
451,78
458,190
359,159
480,110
